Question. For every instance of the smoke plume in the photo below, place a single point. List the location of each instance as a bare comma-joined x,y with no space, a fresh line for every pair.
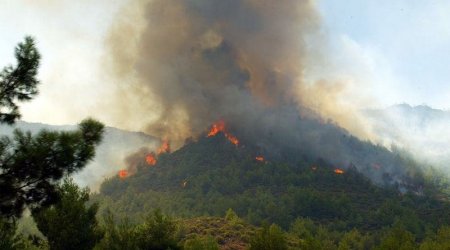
185,64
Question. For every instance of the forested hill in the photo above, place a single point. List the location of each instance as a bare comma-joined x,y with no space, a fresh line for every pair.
211,175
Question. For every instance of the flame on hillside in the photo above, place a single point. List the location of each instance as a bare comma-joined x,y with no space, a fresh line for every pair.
189,67
123,173
338,171
164,148
260,158
151,159
220,127
216,128
233,139
144,157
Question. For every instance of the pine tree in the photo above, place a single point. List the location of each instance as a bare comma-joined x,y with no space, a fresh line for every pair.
70,223
19,83
269,238
31,165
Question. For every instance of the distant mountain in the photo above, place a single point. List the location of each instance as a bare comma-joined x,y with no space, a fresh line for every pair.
116,145
422,130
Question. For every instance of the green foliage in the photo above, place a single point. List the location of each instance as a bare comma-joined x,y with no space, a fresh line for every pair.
311,236
354,240
201,243
221,177
31,164
117,236
269,238
69,224
228,234
27,226
19,83
397,238
157,232
231,216
323,210
9,240
441,240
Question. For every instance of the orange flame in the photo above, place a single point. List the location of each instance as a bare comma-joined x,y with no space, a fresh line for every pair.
233,139
313,168
338,171
220,127
123,173
184,184
150,159
259,158
216,128
164,148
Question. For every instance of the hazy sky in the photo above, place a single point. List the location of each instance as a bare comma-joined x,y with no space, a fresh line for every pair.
399,49
70,37
407,42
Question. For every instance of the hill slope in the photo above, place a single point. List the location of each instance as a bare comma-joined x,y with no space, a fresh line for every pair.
211,175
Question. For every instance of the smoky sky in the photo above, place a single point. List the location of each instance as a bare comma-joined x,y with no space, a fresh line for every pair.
208,60
193,62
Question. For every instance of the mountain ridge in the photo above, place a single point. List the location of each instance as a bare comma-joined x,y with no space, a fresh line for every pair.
110,154
421,130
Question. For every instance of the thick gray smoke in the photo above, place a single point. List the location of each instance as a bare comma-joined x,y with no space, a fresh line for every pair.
200,61
193,62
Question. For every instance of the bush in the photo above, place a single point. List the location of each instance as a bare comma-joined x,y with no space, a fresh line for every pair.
269,238
201,243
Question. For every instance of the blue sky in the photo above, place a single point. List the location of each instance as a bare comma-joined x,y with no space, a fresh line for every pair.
409,41
399,51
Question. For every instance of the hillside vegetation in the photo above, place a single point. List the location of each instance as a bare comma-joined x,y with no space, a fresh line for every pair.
207,177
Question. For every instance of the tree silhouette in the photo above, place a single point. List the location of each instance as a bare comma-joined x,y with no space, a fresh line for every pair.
19,83
31,165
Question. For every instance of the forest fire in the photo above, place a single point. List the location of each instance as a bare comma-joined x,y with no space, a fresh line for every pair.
259,158
216,128
233,139
164,148
220,127
150,159
338,171
123,173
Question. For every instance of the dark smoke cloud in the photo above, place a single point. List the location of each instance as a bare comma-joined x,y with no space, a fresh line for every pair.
193,62
208,60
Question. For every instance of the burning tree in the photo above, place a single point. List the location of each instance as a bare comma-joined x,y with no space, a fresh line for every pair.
219,127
